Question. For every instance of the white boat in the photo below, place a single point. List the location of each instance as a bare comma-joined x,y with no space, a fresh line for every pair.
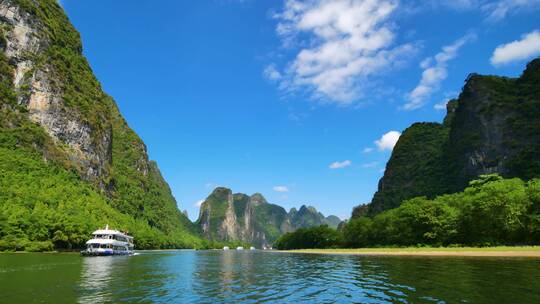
251,248
109,242
239,248
226,248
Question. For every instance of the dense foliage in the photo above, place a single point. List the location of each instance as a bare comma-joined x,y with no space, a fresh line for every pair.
416,167
43,206
491,211
306,238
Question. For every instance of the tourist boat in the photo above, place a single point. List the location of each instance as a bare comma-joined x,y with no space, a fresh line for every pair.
239,248
226,248
252,248
109,242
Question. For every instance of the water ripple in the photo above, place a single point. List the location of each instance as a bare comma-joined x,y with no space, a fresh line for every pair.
266,277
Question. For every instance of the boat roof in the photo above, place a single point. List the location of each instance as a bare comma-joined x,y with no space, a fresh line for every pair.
105,241
109,231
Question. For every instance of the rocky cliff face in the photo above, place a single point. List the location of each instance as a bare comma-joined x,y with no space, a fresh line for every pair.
42,93
238,217
53,106
493,127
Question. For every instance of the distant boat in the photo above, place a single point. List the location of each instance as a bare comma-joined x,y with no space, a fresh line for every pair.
109,242
239,248
252,248
226,248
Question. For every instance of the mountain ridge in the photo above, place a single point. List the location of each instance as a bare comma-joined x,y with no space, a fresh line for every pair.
492,127
225,216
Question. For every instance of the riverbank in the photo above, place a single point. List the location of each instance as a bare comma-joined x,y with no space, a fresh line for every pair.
502,251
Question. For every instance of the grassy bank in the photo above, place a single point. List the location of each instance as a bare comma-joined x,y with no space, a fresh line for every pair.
502,251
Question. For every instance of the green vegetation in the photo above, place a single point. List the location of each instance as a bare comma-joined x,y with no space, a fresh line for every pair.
491,211
264,218
416,167
255,220
46,200
43,206
308,216
493,127
315,237
518,251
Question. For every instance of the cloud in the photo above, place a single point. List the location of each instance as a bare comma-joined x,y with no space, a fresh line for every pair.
271,73
342,43
340,165
460,4
370,165
499,10
198,203
493,10
210,185
281,189
435,71
388,141
367,150
441,106
527,47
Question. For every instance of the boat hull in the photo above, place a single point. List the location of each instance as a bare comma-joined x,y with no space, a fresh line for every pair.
105,253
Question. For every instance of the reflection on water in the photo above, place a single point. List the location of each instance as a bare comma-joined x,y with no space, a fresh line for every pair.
95,278
255,277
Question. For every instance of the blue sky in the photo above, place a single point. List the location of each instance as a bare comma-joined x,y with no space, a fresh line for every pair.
299,100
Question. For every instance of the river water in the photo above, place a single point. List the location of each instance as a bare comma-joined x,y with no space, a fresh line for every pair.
254,277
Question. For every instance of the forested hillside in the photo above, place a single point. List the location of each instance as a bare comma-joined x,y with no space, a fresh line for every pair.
69,163
490,211
493,127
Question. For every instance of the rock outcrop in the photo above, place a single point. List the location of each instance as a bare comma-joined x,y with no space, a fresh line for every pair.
42,93
493,127
225,216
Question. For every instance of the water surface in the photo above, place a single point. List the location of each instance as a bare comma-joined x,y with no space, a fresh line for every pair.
254,277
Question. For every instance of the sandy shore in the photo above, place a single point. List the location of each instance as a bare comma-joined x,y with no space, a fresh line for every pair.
533,252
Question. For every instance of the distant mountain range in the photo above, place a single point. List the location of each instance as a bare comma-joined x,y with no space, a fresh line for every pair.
225,216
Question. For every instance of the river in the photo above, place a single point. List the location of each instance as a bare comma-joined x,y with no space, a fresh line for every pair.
255,277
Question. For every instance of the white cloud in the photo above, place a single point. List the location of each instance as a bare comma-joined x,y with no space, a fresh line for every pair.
346,42
441,105
435,71
340,165
198,203
527,47
281,189
498,10
271,73
388,140
370,165
460,4
367,150
210,185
